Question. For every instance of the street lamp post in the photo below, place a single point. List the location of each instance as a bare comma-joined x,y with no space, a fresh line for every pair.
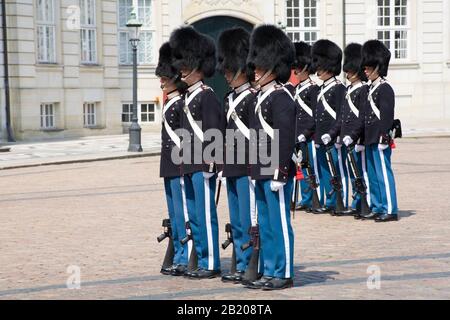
135,129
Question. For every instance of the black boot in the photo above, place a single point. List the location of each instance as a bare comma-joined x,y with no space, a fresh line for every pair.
258,284
278,284
370,216
178,271
167,270
205,274
386,217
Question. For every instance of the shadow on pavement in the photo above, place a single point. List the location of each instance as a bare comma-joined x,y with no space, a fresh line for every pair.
406,213
303,278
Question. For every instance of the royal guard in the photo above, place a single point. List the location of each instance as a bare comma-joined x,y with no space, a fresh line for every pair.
350,118
172,111
232,47
305,96
327,59
194,55
378,127
271,57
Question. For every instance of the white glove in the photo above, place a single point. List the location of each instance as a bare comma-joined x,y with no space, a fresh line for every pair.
347,140
326,139
382,147
276,185
301,138
360,148
208,175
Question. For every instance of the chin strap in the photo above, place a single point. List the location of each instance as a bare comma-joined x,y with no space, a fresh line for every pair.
189,75
375,70
264,77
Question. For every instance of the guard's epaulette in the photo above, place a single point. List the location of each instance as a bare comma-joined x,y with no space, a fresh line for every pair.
206,87
278,86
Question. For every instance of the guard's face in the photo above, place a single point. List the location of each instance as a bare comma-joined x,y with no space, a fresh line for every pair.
229,76
351,76
167,84
259,73
370,72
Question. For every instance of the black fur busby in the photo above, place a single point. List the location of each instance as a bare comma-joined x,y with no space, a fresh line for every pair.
271,49
352,60
193,50
165,66
232,50
327,56
375,53
303,56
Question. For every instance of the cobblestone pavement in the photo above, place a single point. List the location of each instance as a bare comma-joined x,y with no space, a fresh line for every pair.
67,151
103,217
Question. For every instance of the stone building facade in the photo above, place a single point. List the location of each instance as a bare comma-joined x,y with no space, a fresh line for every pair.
69,60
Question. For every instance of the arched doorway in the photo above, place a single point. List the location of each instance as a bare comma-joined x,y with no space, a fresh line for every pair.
213,26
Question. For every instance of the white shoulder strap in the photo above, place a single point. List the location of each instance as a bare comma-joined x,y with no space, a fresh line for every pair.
300,101
372,103
232,113
197,130
261,98
172,134
349,99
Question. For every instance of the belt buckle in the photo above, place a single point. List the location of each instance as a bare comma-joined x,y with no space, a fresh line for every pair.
234,115
186,109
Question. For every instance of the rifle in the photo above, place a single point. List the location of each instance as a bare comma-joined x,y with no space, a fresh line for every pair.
193,258
312,180
360,184
226,244
336,183
170,251
251,273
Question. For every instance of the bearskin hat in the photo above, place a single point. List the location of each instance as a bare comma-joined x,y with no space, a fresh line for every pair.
232,50
271,49
303,56
193,50
375,53
326,55
352,60
165,66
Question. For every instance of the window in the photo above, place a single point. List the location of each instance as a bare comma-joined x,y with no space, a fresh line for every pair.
392,26
88,31
89,115
302,20
145,110
46,31
145,48
127,112
47,116
148,112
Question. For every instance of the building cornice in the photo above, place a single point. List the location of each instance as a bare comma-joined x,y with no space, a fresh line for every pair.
404,65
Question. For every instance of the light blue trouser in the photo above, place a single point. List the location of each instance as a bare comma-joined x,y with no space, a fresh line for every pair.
339,156
240,196
362,167
381,179
305,193
200,194
277,236
174,199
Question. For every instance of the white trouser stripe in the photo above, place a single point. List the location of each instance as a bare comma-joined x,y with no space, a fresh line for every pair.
185,211
386,182
365,174
341,169
285,232
253,216
208,226
293,192
316,168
